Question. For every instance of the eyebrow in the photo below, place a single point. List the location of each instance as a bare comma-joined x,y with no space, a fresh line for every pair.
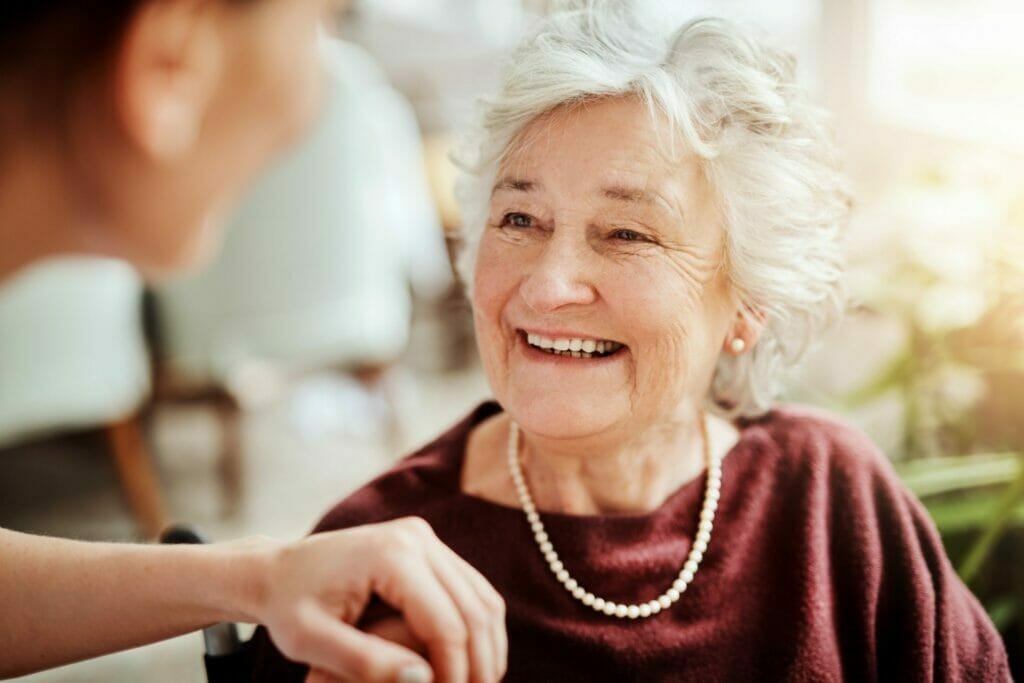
631,195
619,193
515,185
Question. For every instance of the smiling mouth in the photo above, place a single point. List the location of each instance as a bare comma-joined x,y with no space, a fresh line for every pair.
574,347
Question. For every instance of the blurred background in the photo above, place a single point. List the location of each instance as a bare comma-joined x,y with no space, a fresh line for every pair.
330,337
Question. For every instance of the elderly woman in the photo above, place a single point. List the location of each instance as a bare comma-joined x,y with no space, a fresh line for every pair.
653,233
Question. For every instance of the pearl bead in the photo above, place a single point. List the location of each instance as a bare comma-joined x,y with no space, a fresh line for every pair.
643,610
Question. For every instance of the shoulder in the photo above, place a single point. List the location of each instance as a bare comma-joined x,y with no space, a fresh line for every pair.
799,438
904,610
829,475
820,467
426,478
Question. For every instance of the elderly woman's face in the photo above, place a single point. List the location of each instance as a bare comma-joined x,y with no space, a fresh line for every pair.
600,296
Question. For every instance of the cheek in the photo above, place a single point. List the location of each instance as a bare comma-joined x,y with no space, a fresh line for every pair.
493,285
284,67
493,278
670,322
294,93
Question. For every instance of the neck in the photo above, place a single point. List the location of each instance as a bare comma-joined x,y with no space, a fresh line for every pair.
635,475
38,213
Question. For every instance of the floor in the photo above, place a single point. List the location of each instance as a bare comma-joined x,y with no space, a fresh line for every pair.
301,454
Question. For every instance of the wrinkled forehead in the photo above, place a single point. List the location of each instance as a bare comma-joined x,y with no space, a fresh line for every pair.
608,140
608,149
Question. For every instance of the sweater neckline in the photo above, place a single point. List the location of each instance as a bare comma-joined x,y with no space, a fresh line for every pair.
688,493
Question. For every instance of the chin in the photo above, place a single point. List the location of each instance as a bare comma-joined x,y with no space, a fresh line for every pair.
558,418
195,249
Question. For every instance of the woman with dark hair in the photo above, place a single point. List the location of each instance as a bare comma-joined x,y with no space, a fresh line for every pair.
126,128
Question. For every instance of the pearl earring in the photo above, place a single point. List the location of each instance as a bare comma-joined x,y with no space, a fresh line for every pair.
737,345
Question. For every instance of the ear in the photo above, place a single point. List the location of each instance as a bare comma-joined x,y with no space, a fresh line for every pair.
745,331
166,73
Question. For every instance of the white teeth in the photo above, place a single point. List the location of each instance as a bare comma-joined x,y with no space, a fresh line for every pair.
574,347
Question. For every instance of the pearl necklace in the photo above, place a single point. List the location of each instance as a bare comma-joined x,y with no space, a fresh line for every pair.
642,610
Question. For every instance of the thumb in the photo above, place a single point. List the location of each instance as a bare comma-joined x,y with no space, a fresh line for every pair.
344,651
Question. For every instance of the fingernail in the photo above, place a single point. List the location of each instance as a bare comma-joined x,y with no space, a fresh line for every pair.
415,673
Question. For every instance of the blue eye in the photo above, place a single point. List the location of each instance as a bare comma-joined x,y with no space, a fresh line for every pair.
517,220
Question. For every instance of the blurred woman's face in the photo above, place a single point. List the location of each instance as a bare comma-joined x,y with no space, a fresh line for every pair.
600,298
164,213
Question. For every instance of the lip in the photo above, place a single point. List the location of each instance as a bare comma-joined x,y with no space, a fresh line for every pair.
561,334
536,355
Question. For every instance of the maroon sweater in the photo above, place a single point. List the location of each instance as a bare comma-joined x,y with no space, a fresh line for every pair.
821,567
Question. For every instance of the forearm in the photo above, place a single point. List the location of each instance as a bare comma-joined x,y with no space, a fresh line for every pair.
62,601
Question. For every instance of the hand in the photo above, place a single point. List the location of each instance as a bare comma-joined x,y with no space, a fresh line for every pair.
316,588
394,629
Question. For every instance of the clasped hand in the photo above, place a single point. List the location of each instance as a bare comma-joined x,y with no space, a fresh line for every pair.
318,587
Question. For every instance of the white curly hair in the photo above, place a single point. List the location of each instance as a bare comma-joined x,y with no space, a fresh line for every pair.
766,150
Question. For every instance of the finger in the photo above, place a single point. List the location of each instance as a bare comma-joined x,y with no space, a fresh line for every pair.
336,648
407,581
395,629
495,605
318,676
484,622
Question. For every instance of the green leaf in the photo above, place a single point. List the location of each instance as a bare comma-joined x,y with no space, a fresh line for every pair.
1002,518
1003,611
927,477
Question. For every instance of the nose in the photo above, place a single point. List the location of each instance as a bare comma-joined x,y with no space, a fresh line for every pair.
560,276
